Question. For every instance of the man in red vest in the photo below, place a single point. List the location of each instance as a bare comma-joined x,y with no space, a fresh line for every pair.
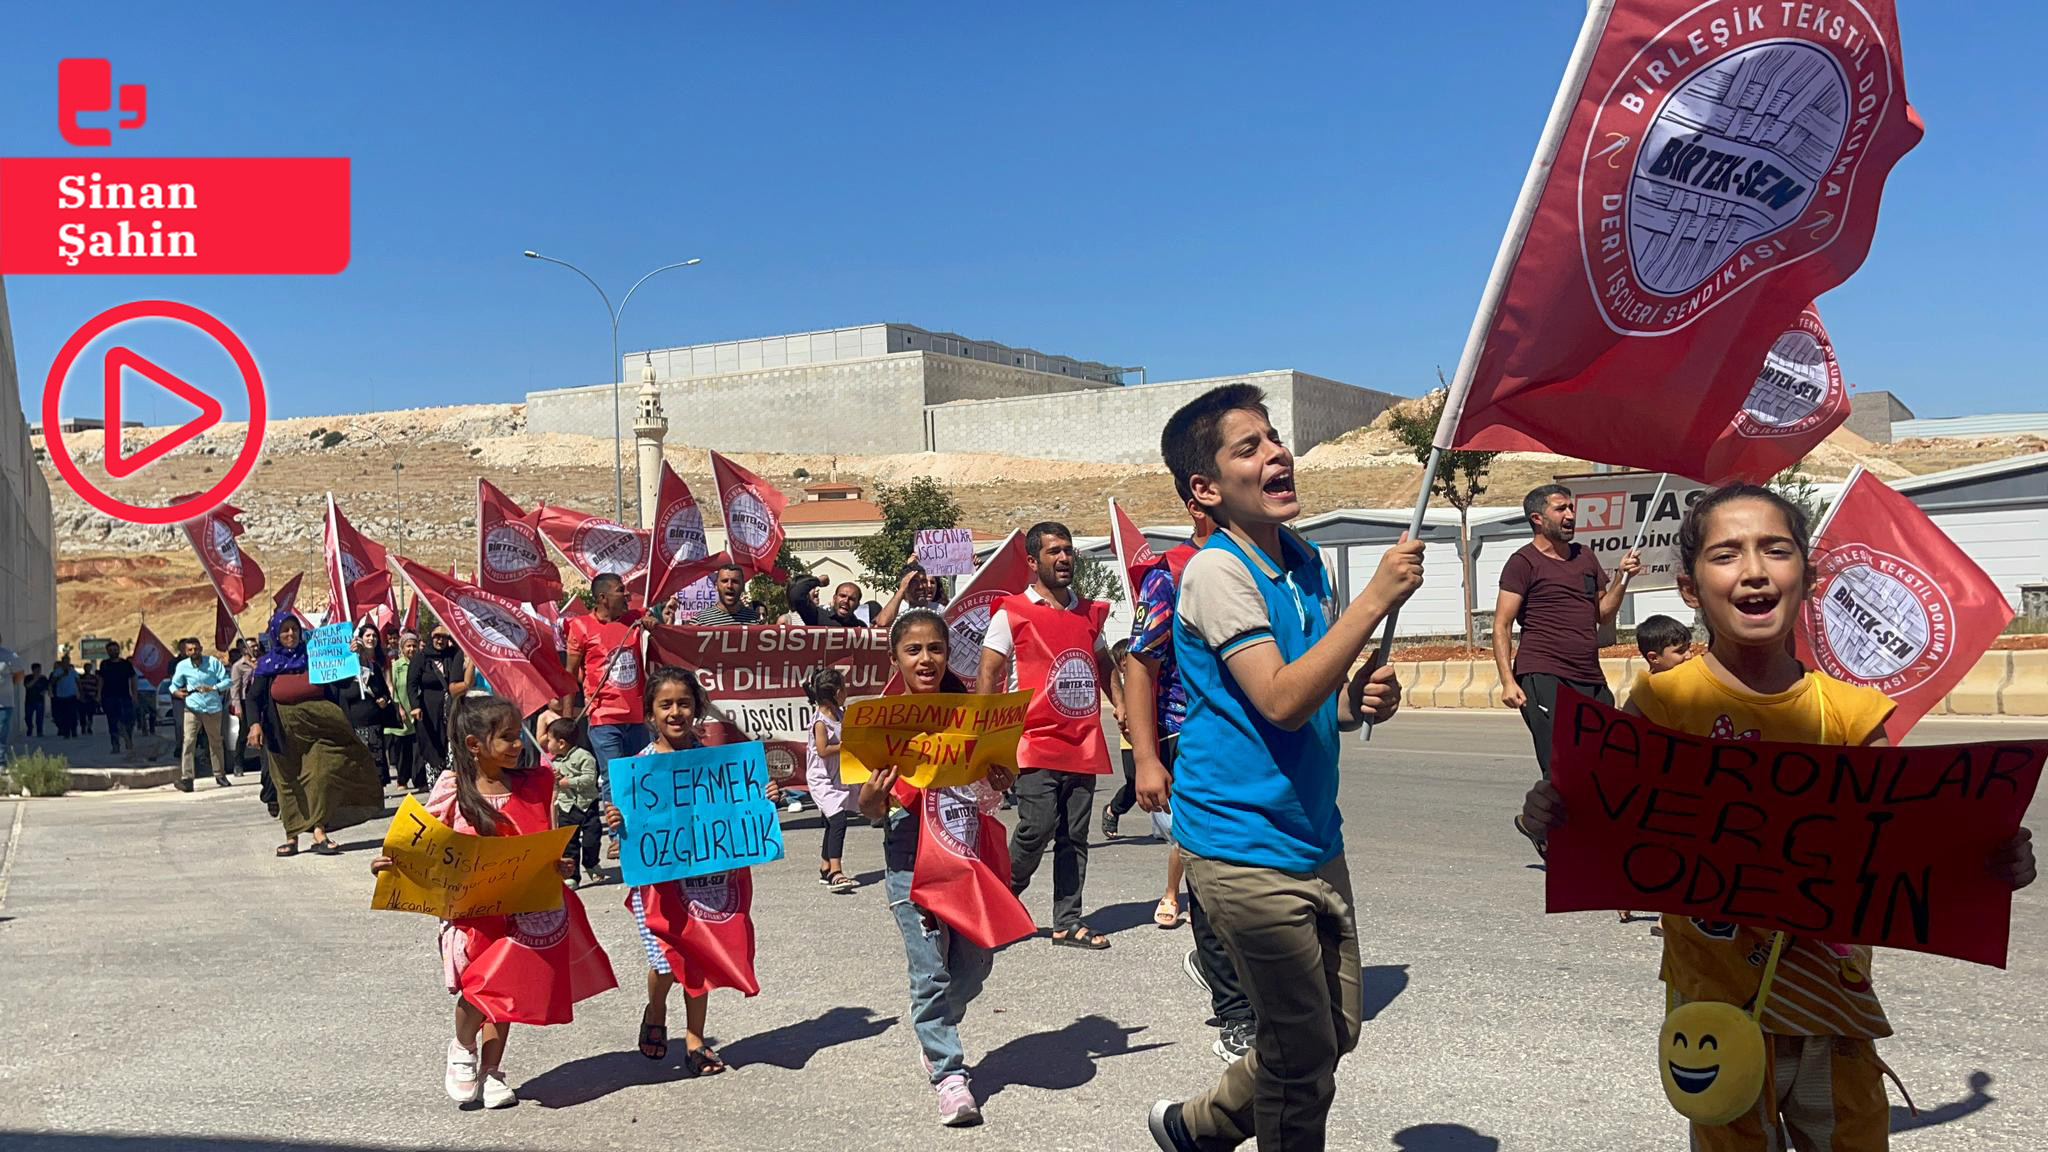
1049,641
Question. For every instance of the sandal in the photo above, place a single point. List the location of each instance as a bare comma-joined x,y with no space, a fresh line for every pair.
653,1040
1167,914
326,848
704,1061
284,850
1080,937
840,882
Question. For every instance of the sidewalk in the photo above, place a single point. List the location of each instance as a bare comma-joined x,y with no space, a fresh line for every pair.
153,762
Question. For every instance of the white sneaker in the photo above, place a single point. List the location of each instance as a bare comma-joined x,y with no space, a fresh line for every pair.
957,1108
497,1093
461,1081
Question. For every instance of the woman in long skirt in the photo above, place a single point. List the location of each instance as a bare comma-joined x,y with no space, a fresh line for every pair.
324,775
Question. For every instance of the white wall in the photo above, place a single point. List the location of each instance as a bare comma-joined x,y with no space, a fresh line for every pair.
2010,544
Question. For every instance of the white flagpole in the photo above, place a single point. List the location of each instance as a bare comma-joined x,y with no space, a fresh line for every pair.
1834,505
1547,146
338,573
1643,529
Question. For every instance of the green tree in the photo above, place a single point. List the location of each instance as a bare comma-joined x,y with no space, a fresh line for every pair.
1799,488
1096,580
1460,476
907,509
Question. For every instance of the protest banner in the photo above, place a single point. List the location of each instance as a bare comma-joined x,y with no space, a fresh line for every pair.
946,551
939,740
695,812
1617,508
331,654
754,678
438,871
1895,604
1880,846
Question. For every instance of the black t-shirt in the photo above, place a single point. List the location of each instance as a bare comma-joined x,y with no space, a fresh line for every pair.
1560,614
116,678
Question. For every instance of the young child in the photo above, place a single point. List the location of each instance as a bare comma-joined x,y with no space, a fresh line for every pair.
489,962
1744,567
826,690
575,796
946,969
1665,643
664,912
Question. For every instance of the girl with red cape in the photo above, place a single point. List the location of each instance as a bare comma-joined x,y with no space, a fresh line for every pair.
529,968
947,879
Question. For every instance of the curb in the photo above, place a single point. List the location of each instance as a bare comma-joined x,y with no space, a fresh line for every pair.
107,779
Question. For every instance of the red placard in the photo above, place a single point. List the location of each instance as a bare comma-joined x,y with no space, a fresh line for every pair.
1880,846
192,215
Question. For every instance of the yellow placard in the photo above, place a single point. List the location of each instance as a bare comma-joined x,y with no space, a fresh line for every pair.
939,740
453,875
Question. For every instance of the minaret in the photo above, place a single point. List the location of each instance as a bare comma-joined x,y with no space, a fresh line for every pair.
650,428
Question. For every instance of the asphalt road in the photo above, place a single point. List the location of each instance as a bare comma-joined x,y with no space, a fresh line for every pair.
166,985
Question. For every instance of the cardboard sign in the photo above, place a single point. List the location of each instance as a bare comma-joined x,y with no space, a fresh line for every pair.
330,655
940,740
755,677
695,812
1613,508
1880,846
946,551
453,875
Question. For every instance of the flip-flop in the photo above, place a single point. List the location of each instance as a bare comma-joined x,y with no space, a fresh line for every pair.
654,1036
284,850
327,848
1077,939
704,1061
1166,914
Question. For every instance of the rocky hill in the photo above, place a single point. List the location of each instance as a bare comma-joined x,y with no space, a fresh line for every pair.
110,573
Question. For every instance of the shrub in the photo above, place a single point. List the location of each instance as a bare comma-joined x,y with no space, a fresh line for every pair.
39,774
331,439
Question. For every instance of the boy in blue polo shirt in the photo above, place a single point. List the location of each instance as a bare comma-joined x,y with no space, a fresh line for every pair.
1265,661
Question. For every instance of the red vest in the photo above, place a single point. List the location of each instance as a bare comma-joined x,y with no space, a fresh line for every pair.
962,874
1054,650
705,928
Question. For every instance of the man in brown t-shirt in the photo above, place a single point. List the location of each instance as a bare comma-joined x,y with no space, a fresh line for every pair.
1561,597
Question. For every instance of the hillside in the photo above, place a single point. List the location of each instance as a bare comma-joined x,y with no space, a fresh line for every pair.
110,572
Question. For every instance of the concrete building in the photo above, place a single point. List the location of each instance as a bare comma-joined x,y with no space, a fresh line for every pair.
890,388
1872,414
28,573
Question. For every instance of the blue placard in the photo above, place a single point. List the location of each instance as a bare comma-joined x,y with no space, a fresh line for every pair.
694,813
330,653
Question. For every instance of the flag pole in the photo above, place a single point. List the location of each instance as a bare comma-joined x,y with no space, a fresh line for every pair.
1561,107
1643,529
1828,516
1116,550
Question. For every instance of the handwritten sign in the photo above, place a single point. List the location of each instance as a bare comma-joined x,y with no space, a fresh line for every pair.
696,812
946,551
453,875
330,655
939,740
1881,846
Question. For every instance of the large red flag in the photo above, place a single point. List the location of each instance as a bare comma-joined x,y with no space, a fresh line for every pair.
224,627
962,873
1797,400
682,555
516,652
1006,572
1712,170
358,573
287,600
412,616
152,659
712,917
1896,605
235,574
753,518
1134,555
593,545
510,558
533,968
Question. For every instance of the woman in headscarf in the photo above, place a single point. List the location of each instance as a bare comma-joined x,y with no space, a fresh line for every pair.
324,776
435,678
366,697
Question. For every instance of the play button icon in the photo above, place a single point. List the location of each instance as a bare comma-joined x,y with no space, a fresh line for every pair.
121,465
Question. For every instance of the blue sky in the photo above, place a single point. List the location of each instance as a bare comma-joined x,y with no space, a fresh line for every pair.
1202,189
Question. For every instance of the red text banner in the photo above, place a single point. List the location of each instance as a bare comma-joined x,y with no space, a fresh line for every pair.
192,215
1879,846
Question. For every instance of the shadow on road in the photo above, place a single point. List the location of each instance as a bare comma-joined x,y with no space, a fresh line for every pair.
792,1045
1056,1060
15,1140
595,1077
1444,1138
1111,919
1903,1119
1378,985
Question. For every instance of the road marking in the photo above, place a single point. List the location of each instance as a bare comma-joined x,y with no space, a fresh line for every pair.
13,842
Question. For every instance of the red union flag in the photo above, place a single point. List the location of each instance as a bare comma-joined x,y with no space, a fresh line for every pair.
234,572
681,551
1006,572
1797,401
1710,169
753,518
516,652
510,558
594,546
1896,605
224,627
151,659
1134,555
358,573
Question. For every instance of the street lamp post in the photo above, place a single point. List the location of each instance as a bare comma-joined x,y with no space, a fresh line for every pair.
617,370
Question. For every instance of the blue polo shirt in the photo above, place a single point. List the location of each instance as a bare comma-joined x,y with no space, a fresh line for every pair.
1244,790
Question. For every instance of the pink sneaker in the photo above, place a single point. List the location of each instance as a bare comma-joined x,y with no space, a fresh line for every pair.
957,1108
